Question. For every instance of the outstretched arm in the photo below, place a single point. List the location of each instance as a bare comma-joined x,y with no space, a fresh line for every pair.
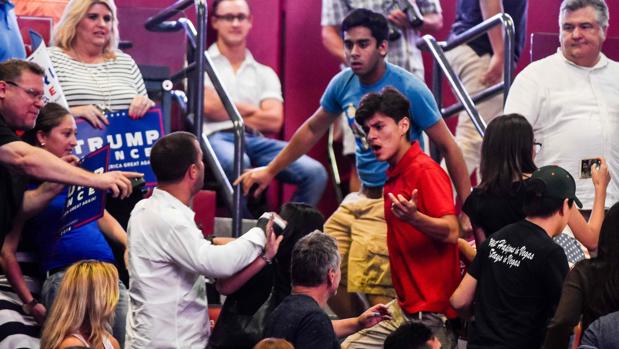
369,318
230,285
41,164
588,233
303,140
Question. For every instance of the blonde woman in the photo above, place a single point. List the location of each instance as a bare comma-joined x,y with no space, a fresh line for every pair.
83,311
95,76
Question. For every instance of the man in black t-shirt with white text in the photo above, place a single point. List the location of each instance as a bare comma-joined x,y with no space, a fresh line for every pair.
514,283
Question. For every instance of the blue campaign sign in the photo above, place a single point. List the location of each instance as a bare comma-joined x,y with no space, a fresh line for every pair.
130,141
83,204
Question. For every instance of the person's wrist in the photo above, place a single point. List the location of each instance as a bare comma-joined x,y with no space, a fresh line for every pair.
265,258
29,306
270,170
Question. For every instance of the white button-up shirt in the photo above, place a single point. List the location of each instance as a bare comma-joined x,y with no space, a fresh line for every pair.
168,258
574,112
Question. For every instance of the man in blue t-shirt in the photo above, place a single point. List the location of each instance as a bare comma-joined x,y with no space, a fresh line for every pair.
359,223
479,64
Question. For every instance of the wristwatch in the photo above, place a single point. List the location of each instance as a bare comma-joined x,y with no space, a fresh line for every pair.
27,307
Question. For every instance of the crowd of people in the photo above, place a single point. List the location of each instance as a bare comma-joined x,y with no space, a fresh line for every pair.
530,262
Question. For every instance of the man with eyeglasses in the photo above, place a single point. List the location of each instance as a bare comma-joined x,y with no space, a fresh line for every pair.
21,98
256,92
570,99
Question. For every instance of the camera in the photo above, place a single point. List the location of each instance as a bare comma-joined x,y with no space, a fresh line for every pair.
413,14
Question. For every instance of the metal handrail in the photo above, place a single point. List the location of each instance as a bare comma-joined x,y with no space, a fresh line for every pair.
335,171
442,66
198,62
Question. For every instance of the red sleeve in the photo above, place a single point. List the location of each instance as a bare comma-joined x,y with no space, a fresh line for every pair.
435,196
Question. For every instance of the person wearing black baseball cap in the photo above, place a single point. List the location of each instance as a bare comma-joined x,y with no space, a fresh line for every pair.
516,278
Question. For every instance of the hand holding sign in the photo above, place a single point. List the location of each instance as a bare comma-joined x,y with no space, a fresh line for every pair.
139,106
90,113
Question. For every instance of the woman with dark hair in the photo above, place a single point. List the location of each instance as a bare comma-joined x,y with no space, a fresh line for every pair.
507,160
244,312
591,289
507,155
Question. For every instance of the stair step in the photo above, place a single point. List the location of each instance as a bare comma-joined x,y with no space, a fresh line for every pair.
223,226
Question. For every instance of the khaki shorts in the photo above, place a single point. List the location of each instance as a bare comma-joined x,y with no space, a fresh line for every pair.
360,229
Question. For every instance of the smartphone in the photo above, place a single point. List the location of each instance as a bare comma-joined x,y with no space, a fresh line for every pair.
586,165
279,224
137,182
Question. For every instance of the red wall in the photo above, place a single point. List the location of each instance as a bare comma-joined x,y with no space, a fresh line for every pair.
286,36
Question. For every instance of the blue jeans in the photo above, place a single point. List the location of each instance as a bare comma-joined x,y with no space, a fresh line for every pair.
52,284
307,174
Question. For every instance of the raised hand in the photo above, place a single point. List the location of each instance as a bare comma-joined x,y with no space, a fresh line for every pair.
259,176
403,208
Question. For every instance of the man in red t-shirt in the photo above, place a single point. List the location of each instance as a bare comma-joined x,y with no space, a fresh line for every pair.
422,227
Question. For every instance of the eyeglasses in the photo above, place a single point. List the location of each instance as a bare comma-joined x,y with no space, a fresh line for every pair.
537,147
230,17
34,94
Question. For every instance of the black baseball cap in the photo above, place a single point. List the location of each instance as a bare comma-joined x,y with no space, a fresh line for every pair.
557,183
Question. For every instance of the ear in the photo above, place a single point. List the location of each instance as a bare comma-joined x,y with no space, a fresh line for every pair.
214,22
383,48
566,207
404,125
41,137
2,88
192,172
330,277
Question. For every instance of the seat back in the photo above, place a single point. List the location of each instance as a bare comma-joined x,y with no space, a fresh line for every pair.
204,207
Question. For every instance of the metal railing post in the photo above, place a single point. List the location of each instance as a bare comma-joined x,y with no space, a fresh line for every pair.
455,83
198,62
508,66
441,66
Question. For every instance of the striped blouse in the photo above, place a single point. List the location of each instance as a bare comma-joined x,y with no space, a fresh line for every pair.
111,84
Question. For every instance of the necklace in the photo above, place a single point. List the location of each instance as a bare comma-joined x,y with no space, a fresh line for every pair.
106,105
